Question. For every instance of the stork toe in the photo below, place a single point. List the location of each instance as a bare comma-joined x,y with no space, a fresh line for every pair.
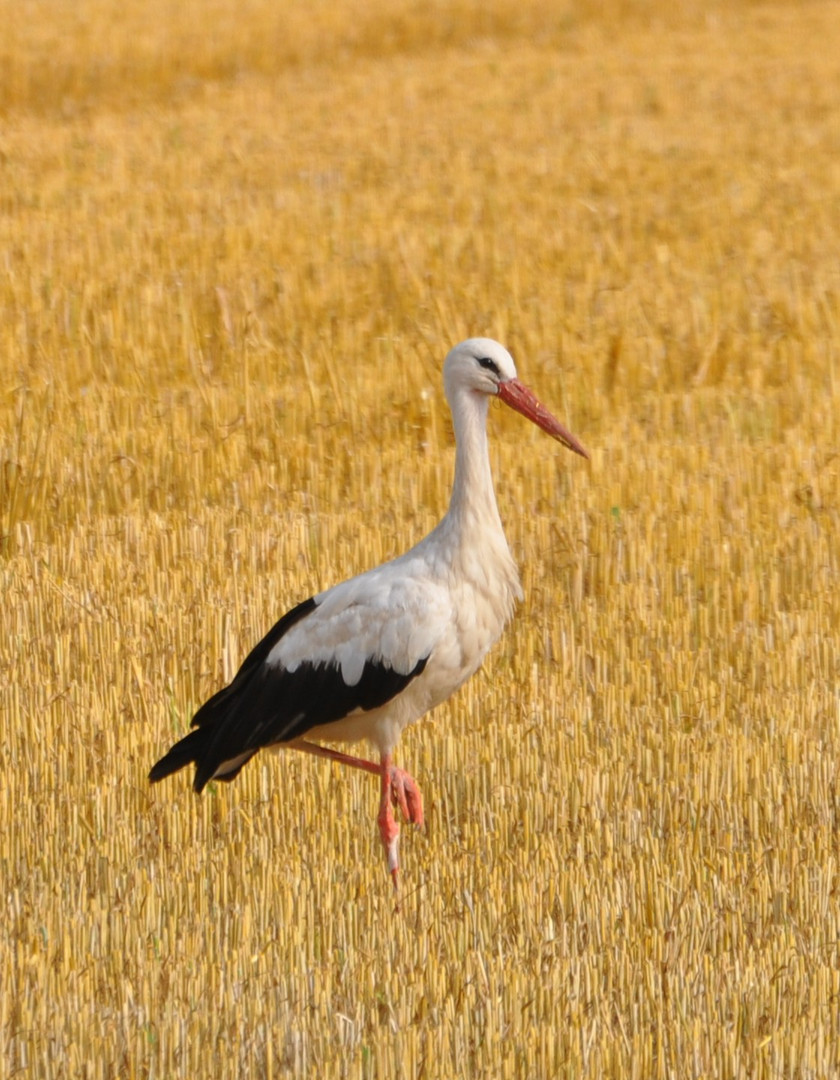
406,794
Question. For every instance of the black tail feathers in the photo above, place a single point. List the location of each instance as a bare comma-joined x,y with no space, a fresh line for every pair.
200,747
186,751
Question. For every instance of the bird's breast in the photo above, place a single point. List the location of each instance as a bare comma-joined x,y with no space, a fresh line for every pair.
482,603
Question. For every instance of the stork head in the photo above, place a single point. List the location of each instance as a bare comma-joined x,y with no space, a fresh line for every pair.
483,366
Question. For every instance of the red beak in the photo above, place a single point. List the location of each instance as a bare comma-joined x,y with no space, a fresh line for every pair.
523,400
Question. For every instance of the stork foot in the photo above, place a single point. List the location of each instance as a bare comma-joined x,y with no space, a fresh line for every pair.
406,795
398,789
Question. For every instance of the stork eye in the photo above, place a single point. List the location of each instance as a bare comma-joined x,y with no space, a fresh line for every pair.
488,364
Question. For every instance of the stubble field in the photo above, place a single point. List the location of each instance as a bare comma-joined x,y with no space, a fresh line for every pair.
236,242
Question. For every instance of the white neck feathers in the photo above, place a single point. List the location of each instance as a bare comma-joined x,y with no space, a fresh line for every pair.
472,525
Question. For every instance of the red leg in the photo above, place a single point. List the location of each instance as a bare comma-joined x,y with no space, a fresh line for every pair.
404,790
389,830
335,755
397,788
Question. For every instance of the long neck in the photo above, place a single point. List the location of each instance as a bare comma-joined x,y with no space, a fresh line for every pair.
473,502
472,527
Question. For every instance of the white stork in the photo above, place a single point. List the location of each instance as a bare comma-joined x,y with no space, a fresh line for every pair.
375,653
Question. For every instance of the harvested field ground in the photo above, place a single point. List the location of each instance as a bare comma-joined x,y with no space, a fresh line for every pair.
236,241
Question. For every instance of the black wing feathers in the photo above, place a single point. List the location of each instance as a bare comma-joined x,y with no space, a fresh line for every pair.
283,705
265,705
210,709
